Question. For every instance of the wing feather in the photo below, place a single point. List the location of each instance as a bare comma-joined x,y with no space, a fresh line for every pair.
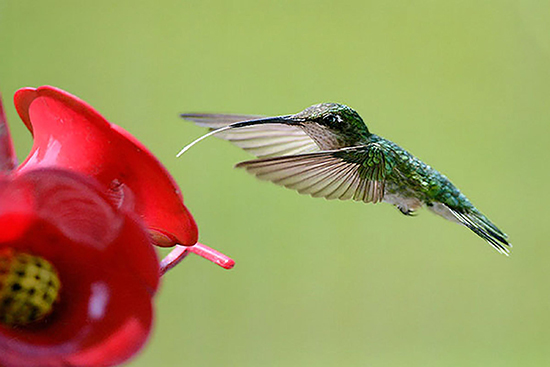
340,190
347,173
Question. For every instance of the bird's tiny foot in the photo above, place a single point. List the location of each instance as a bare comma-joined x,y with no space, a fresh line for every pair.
406,211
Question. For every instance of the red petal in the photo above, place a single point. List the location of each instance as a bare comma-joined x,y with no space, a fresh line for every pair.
8,161
76,206
101,275
16,207
69,133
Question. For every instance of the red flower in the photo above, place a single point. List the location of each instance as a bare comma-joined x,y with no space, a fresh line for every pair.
69,133
73,255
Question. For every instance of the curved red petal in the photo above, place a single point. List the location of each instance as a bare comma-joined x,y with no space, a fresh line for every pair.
8,161
73,206
69,133
16,206
117,347
77,207
92,323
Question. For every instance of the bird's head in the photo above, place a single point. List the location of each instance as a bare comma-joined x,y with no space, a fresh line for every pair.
331,115
342,123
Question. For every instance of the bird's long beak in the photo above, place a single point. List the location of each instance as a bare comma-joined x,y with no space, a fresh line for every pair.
286,120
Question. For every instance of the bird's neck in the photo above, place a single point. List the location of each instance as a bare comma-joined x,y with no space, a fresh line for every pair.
330,139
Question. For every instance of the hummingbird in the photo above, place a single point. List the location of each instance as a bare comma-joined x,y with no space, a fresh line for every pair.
327,151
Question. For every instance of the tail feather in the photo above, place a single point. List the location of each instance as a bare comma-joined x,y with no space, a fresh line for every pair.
480,225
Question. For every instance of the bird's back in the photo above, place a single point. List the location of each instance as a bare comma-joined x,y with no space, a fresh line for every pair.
413,177
413,181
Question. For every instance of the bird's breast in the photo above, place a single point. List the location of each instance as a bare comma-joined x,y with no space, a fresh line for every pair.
403,200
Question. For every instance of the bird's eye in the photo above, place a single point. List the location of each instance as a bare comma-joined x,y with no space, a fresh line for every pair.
333,119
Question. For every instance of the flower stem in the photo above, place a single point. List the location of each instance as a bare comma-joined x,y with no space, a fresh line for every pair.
180,252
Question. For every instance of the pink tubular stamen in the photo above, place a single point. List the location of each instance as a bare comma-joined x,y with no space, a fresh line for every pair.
180,252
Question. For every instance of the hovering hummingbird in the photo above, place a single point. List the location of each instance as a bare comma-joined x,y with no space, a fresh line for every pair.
327,151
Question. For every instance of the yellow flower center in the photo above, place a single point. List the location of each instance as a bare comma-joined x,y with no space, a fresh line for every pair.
29,287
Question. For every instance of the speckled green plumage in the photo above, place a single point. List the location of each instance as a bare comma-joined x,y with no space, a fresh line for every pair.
408,175
327,151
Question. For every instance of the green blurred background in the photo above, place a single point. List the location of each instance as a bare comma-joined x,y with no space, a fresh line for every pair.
464,85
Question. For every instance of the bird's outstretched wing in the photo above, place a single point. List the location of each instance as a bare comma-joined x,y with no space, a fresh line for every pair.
268,140
357,173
